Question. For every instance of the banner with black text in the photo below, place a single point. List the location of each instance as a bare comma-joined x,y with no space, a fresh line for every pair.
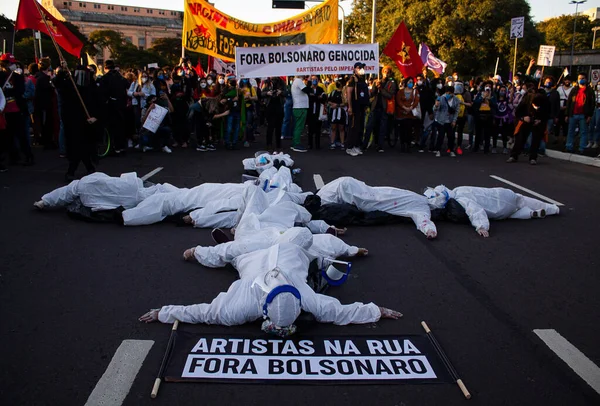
317,360
314,59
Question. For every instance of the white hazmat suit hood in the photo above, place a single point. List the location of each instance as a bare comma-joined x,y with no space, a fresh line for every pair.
438,197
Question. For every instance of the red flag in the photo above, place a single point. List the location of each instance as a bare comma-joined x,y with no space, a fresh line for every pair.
403,51
29,17
199,70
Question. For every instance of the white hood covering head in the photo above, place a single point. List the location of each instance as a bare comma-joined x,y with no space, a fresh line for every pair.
300,236
437,197
284,309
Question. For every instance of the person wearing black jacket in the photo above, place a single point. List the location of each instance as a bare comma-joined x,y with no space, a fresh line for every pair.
274,92
316,98
80,130
113,89
554,106
532,116
357,94
45,104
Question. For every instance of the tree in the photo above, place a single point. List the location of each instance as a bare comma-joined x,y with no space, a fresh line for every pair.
468,36
168,48
109,39
558,31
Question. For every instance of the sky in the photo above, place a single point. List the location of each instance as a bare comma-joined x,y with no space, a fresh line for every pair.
262,12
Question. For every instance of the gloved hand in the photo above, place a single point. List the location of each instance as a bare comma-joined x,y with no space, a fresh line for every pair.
389,313
150,317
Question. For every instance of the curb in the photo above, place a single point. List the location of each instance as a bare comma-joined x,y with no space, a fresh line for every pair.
580,159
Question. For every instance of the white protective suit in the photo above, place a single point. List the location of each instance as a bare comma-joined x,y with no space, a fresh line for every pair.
157,207
243,301
323,247
398,202
226,213
482,204
265,161
99,191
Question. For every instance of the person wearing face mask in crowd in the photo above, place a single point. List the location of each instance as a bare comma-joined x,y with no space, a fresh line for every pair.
485,106
562,127
300,92
203,89
274,93
357,93
80,131
337,114
464,99
384,96
113,90
426,101
503,120
471,113
532,115
45,105
139,91
179,100
446,113
407,100
580,109
316,99
250,98
212,85
233,99
554,109
15,110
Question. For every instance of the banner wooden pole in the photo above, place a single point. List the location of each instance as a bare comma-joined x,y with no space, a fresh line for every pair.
541,77
61,57
514,70
446,361
163,365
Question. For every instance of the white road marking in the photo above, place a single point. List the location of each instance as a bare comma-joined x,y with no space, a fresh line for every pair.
531,192
116,382
152,173
574,358
318,181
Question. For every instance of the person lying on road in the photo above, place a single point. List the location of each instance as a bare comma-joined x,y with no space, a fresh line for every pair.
482,204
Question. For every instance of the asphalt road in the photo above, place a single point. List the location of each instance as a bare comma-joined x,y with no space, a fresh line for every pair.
71,292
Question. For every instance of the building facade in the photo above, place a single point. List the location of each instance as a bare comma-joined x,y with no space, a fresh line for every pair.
139,25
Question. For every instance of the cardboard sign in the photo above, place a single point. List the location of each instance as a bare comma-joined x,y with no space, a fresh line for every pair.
517,27
546,55
341,360
595,75
155,118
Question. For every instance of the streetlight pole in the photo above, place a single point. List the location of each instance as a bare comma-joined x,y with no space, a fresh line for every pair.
373,18
577,3
594,40
344,19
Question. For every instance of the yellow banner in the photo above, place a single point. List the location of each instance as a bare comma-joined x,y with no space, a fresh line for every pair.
207,30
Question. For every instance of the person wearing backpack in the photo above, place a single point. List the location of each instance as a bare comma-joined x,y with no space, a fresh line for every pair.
357,92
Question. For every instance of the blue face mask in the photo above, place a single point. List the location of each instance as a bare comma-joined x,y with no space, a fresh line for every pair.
448,96
315,82
410,85
548,85
502,94
582,82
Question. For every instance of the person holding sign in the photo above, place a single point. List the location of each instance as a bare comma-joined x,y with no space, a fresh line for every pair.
273,286
580,109
155,132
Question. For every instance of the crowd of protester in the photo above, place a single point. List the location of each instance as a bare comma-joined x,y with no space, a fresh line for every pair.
70,112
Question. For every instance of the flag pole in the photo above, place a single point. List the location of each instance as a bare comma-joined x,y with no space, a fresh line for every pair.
514,70
62,58
35,51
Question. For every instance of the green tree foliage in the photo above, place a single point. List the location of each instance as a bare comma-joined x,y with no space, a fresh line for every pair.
467,35
126,54
558,31
168,48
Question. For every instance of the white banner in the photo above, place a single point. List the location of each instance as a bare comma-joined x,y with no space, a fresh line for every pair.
312,59
546,55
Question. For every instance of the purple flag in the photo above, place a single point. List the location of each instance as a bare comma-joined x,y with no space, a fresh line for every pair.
429,60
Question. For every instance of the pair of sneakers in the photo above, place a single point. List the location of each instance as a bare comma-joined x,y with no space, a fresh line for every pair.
356,151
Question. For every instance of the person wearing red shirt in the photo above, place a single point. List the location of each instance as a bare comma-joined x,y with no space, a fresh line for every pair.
580,108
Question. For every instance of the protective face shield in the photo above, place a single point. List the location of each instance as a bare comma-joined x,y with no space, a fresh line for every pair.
437,197
281,308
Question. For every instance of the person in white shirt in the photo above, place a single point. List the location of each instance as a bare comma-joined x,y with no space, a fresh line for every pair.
300,94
